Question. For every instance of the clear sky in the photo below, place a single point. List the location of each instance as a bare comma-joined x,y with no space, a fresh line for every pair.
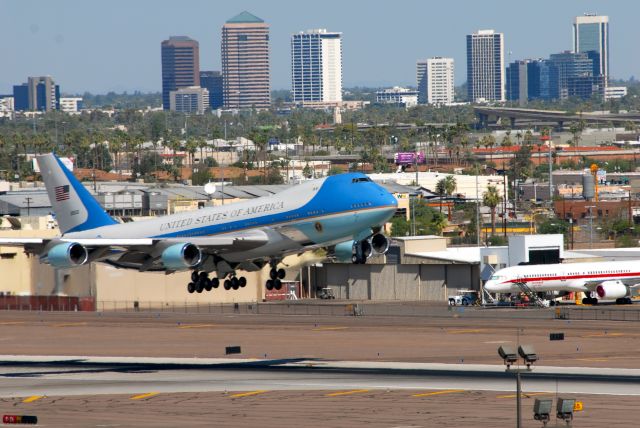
114,45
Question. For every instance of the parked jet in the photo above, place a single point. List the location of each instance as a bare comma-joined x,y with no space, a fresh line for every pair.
342,213
601,280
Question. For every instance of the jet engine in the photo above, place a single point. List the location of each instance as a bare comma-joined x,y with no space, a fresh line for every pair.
67,255
379,243
353,251
611,290
181,256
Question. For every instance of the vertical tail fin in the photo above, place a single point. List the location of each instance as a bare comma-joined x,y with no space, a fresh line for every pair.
76,210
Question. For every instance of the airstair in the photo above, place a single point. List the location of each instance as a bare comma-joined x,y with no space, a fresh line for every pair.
533,297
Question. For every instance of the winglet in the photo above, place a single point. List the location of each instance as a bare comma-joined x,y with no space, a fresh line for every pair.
76,210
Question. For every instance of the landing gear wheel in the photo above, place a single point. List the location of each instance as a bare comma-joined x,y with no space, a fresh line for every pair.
273,274
227,284
191,287
199,287
269,284
194,276
277,284
235,284
215,282
208,285
242,282
281,273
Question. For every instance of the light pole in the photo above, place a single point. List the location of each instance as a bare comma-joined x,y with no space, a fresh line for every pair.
509,356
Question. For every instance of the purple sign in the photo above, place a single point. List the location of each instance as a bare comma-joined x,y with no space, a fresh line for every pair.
409,158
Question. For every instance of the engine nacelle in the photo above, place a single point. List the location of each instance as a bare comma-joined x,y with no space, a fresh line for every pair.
67,255
380,243
181,256
346,251
611,290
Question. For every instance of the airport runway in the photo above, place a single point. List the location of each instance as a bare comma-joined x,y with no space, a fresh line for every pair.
151,394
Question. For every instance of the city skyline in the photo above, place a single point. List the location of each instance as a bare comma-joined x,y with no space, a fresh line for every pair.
104,59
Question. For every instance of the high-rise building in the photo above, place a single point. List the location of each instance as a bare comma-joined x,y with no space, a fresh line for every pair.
436,81
190,100
245,62
485,66
180,65
518,82
316,66
212,80
591,34
40,93
571,65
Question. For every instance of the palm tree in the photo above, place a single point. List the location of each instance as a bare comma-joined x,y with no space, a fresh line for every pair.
450,186
491,199
441,189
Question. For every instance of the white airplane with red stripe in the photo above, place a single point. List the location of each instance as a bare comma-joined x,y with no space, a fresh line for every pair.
600,280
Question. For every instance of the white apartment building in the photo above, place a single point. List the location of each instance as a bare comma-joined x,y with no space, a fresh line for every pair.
615,92
192,99
397,95
485,66
316,66
71,105
436,81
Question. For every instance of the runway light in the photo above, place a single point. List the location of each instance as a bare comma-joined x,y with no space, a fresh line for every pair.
19,419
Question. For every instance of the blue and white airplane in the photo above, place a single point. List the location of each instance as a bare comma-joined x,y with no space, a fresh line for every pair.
342,213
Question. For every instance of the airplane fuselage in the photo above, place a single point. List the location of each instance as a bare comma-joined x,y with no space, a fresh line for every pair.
560,277
317,212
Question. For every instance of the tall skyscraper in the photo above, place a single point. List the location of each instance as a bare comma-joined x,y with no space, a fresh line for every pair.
245,62
212,80
316,66
180,65
435,81
485,66
591,34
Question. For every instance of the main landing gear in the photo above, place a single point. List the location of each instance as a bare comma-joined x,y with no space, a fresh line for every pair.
275,278
200,282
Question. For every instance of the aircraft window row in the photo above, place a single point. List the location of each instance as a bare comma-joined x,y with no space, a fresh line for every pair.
360,179
315,212
361,205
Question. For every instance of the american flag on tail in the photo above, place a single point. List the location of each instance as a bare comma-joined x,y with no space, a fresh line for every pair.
62,193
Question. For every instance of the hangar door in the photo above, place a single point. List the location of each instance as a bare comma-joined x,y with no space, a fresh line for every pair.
544,256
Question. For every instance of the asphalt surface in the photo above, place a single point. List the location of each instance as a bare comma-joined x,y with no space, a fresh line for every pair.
305,382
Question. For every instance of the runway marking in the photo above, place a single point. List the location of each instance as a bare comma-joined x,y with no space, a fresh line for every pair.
329,328
143,396
197,326
33,398
603,335
11,322
524,394
249,394
69,324
470,330
446,391
341,393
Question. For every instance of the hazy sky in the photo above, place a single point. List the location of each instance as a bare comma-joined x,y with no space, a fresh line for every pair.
100,46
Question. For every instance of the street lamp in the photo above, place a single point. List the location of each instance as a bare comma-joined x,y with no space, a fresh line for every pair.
509,356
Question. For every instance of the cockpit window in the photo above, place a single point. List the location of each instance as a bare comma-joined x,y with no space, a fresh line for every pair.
496,277
360,179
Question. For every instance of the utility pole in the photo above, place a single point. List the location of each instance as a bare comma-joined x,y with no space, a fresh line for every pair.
28,200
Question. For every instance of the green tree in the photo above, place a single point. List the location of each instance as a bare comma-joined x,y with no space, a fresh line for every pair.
491,199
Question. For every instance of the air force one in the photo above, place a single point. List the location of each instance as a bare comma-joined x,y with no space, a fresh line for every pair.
342,213
601,280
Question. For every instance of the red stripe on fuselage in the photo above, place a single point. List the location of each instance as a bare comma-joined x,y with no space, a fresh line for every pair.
571,277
